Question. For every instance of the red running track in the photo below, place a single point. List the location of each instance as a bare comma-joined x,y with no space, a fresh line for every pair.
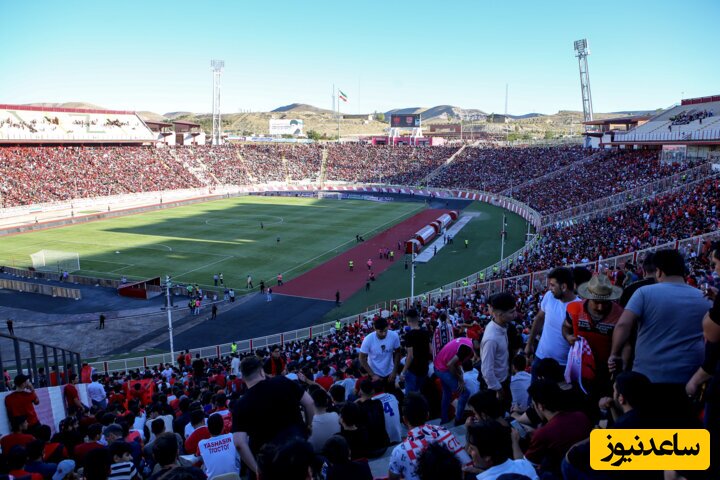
324,280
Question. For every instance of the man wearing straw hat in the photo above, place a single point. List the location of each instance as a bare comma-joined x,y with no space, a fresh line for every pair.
594,319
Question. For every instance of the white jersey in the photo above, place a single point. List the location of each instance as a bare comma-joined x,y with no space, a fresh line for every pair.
219,455
391,409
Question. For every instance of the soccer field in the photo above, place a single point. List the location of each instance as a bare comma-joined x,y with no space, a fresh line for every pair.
191,243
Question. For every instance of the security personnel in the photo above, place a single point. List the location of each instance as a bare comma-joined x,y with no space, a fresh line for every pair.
233,347
467,242
351,265
338,325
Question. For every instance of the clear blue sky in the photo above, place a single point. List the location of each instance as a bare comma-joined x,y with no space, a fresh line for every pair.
151,55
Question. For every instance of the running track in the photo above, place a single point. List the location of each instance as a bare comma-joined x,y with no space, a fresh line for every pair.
324,280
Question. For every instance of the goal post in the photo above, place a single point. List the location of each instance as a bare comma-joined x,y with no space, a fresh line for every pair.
330,195
55,261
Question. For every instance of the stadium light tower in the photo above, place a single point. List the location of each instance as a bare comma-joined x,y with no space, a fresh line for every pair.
581,52
217,68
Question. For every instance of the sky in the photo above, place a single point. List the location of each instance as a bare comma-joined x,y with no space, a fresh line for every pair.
155,56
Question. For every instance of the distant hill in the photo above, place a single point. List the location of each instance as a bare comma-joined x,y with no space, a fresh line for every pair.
66,105
174,115
636,112
151,116
300,108
527,115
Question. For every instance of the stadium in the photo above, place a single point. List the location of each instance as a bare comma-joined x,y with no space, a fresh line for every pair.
172,268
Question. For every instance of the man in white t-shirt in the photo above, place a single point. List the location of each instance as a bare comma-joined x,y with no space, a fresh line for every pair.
380,353
218,452
235,365
550,319
491,447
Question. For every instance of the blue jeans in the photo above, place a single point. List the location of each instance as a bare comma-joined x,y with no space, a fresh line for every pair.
414,383
449,386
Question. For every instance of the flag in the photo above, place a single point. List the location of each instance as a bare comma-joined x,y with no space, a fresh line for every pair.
342,96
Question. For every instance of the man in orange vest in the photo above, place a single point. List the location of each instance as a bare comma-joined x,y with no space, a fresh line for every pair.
594,319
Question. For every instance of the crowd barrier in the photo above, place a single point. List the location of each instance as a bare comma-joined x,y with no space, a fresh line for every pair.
39,288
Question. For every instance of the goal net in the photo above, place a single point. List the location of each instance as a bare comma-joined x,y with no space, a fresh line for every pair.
55,261
330,195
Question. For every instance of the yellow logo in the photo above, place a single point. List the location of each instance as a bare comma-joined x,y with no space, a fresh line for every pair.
613,449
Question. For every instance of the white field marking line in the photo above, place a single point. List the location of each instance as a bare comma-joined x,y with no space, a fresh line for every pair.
161,245
115,245
122,268
105,261
350,241
204,266
240,224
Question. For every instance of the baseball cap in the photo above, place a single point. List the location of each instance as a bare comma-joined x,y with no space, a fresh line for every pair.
64,468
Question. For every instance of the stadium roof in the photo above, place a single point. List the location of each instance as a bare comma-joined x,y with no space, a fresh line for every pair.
63,109
623,120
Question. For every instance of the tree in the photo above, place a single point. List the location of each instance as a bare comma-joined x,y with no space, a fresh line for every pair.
379,116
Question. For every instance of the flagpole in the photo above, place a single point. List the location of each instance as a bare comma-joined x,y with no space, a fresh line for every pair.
338,117
502,243
332,95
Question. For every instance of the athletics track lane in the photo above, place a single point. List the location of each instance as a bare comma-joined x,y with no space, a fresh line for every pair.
324,280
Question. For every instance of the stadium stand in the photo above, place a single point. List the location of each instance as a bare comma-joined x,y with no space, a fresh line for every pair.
150,408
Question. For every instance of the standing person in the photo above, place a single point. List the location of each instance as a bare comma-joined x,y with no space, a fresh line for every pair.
448,367
279,279
262,287
96,392
467,242
594,319
417,345
550,319
213,310
337,297
278,240
269,412
249,284
367,285
22,401
215,279
379,353
262,227
10,328
369,263
494,353
269,294
648,267
101,326
231,294
667,351
221,278
351,265
442,335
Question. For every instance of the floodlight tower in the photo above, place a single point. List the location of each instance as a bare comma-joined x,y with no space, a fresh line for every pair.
217,68
581,52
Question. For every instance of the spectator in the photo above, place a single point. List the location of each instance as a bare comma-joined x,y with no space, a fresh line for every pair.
18,436
22,401
520,382
218,452
122,467
354,431
379,354
649,269
339,466
325,424
448,367
562,429
436,461
668,352
404,457
417,345
268,412
551,318
494,354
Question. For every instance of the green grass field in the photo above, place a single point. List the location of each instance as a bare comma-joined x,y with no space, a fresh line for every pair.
193,242
451,263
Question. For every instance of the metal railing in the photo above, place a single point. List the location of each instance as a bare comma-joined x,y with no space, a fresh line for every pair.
28,359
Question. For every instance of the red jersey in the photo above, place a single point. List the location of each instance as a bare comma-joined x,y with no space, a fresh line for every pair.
22,403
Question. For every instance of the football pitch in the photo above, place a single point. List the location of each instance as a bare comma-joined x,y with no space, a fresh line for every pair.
250,235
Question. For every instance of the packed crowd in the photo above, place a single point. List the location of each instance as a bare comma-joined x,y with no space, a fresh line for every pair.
31,175
662,219
615,172
498,169
403,165
525,375
685,117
